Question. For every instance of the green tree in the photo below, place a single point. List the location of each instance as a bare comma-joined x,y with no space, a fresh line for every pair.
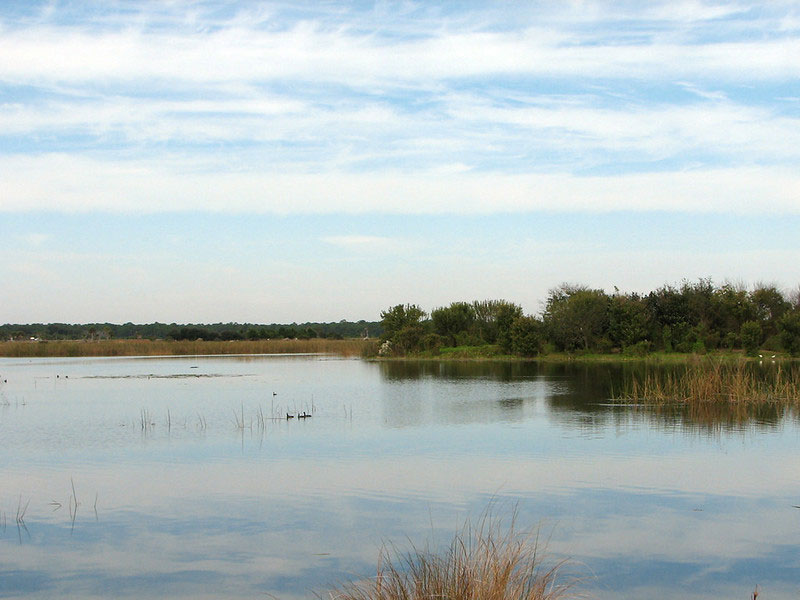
751,335
627,320
770,306
493,319
453,321
507,314
576,317
527,336
789,327
734,307
402,327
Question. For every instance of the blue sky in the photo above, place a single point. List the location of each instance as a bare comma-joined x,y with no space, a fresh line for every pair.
278,162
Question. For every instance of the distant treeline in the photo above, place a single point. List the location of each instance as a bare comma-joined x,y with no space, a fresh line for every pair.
690,317
213,332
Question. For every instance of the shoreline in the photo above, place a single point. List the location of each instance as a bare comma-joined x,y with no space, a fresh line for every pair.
363,348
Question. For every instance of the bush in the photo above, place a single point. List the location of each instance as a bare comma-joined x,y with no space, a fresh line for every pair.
731,340
772,343
751,337
789,327
526,336
432,342
639,348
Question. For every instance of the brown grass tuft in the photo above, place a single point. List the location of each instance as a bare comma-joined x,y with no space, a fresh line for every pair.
483,563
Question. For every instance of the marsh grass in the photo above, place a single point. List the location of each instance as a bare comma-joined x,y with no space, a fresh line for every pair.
70,348
712,381
487,562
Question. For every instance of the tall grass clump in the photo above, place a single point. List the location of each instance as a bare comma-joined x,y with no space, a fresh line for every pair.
714,381
485,563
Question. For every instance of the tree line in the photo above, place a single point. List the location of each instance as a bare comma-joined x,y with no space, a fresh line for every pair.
692,317
214,331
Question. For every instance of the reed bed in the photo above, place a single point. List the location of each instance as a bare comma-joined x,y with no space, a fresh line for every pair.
144,347
487,563
712,381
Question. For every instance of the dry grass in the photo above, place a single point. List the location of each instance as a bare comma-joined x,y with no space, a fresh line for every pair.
487,563
349,347
710,381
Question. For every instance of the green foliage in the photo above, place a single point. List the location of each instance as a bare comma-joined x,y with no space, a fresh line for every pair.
751,334
734,307
449,322
408,339
432,342
527,336
402,326
627,320
576,317
493,319
399,317
213,331
789,327
666,338
770,306
639,348
731,340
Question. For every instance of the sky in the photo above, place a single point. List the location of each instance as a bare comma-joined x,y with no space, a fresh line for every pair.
213,161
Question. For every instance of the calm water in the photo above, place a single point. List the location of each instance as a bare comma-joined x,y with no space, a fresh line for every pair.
188,487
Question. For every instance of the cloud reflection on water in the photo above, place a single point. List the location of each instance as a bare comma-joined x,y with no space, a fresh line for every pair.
648,504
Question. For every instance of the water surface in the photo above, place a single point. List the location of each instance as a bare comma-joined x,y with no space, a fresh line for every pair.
191,483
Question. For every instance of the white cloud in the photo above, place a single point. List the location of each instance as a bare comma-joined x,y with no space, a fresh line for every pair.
68,183
325,50
330,109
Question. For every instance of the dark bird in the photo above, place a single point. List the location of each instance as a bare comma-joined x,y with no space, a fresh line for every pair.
288,416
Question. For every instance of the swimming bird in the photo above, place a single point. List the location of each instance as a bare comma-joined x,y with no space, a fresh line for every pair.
288,416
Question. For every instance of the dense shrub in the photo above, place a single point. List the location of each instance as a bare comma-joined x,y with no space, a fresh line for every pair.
526,336
789,326
751,337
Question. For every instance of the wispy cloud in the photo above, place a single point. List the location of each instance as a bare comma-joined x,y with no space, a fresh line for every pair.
66,183
413,108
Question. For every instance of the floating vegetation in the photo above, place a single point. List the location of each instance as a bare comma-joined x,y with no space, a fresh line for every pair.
712,381
486,562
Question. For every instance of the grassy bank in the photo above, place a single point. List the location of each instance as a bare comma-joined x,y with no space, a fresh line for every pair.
143,347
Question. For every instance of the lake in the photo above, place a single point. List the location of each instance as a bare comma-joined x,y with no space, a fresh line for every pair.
183,478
